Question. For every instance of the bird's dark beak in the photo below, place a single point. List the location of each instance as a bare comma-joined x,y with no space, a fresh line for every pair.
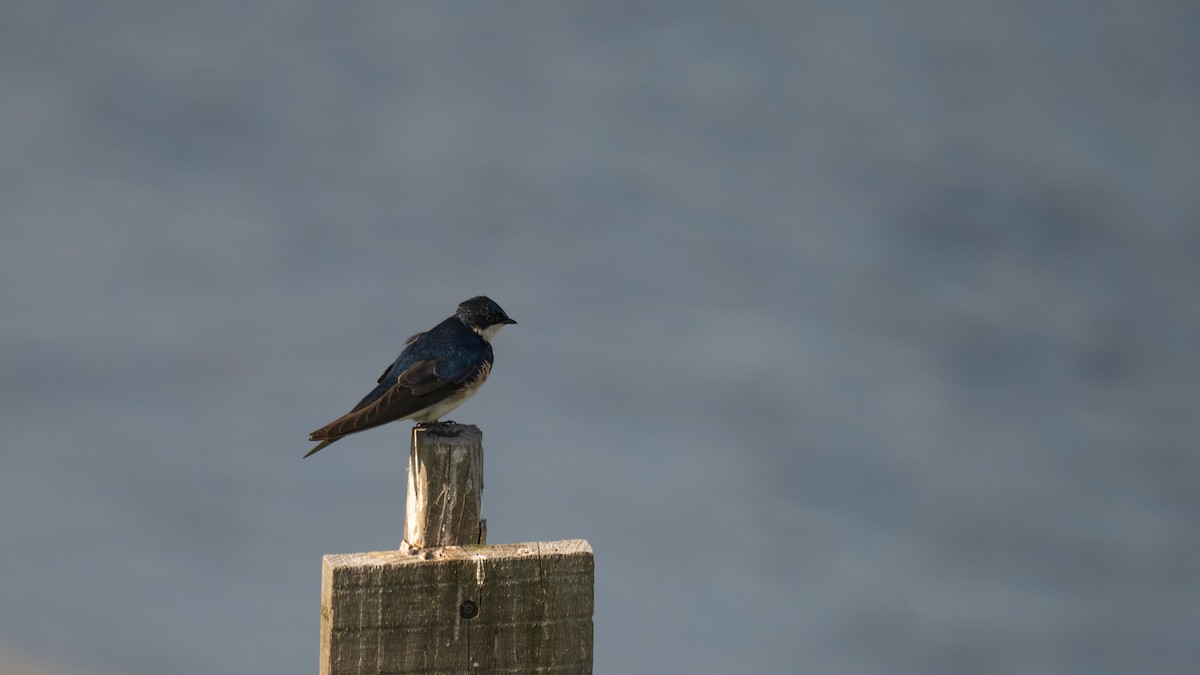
508,321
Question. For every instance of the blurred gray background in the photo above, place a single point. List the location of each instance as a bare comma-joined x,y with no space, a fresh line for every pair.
855,337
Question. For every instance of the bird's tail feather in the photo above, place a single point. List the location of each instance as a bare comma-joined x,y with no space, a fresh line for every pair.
322,445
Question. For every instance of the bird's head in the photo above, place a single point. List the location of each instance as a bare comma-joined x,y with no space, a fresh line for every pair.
483,316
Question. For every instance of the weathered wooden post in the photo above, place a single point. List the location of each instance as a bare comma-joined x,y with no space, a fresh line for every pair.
445,488
446,602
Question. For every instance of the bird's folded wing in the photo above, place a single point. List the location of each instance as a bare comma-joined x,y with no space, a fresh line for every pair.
415,388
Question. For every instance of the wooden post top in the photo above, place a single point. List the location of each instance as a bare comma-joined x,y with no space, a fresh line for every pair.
445,486
446,602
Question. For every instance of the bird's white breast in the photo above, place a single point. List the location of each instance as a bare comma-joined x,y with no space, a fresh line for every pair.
434,412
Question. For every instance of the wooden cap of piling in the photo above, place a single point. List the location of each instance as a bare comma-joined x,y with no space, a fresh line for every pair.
446,602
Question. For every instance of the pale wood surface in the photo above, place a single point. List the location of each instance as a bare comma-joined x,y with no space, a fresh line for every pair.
400,612
445,487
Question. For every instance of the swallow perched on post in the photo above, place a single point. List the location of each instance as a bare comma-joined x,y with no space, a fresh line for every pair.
437,372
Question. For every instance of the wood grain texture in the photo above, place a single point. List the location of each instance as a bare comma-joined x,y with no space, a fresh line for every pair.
445,487
401,612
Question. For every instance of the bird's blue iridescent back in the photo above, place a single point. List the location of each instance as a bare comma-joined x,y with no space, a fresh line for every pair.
458,352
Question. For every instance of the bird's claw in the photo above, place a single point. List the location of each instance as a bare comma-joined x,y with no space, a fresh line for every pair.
441,428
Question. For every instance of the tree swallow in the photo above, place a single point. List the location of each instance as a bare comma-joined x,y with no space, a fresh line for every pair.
437,372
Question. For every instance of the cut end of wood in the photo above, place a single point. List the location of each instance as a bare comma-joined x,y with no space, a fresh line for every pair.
448,430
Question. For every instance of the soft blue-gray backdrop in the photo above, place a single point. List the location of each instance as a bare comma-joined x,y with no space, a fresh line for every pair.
856,337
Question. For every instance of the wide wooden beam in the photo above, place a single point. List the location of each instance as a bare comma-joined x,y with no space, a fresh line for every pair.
513,608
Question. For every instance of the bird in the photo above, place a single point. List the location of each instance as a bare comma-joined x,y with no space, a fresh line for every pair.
437,371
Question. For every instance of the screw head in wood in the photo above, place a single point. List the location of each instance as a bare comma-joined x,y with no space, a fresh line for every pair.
468,610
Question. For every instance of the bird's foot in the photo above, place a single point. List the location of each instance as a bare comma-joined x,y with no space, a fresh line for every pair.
443,428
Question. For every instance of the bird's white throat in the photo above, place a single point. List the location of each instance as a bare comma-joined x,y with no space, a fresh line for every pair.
490,332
